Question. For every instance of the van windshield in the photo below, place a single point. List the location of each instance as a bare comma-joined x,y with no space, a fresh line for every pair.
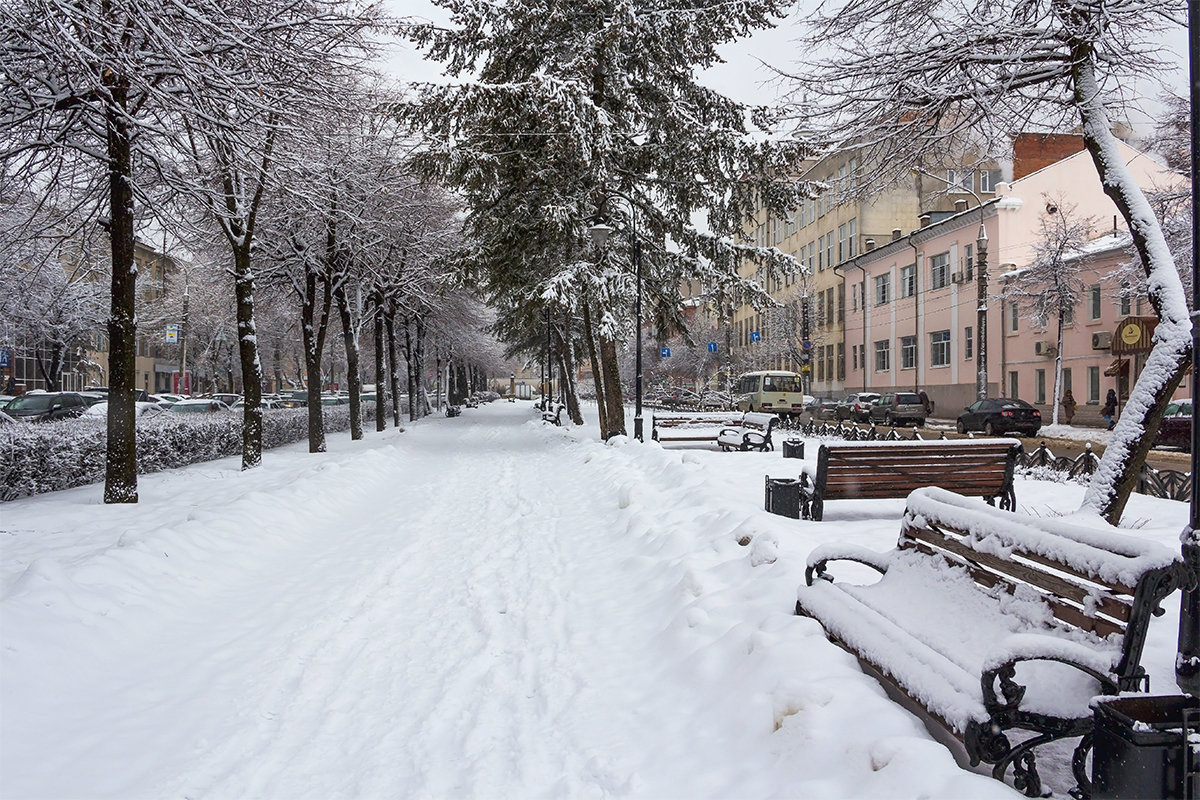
781,383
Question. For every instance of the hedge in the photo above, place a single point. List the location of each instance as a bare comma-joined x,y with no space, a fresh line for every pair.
46,457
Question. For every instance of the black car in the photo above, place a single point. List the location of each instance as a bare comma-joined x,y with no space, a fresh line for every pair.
46,406
997,415
1176,427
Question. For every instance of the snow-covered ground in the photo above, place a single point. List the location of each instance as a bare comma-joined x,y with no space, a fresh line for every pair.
477,607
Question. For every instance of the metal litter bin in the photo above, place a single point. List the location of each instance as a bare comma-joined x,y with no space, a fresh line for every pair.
793,448
782,497
1140,747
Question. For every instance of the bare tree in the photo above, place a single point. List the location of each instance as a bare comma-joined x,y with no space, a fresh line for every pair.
901,80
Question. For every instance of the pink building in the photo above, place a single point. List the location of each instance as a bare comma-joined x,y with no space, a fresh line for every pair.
912,316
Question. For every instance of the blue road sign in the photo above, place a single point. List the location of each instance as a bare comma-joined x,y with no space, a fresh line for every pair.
755,336
712,347
665,352
806,344
5,356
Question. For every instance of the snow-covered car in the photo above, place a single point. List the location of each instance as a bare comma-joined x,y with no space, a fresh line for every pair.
37,406
268,404
100,410
199,405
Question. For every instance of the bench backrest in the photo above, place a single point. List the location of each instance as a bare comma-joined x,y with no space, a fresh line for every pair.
695,420
758,421
981,467
1103,583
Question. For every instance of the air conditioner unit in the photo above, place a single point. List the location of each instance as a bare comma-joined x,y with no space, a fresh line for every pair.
1044,348
1102,340
958,277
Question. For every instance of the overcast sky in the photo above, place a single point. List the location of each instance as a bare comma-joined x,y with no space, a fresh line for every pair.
742,77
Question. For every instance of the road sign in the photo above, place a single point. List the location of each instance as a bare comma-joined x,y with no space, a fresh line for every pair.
5,356
665,352
806,367
172,334
806,344
712,347
804,357
755,336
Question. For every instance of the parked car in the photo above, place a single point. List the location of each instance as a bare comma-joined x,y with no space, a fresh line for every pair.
999,415
100,410
825,408
900,408
92,398
228,398
45,406
1176,427
297,398
715,401
335,400
856,407
140,395
199,405
267,404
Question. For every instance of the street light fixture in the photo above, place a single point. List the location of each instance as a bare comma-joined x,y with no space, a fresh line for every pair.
981,283
600,233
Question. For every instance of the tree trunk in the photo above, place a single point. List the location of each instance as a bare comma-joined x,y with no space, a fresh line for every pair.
353,376
612,388
1121,465
1058,370
421,397
252,413
566,368
597,377
313,333
389,320
410,361
380,375
52,372
120,462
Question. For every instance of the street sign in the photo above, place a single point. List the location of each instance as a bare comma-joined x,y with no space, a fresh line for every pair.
755,336
712,347
806,367
665,352
172,334
5,356
806,344
804,357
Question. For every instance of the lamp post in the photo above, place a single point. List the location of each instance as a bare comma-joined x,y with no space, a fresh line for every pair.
600,233
981,284
1187,659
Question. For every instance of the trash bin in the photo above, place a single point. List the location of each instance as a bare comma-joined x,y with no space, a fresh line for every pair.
1140,747
783,497
793,448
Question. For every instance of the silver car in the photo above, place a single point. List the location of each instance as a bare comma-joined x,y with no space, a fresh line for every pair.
901,408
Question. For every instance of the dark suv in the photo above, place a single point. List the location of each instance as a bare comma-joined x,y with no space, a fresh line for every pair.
996,415
45,407
902,408
1176,427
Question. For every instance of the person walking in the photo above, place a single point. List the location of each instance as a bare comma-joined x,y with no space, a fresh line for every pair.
925,402
1110,408
1069,406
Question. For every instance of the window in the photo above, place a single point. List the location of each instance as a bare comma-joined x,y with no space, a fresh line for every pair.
1068,316
968,343
1012,385
1093,392
883,356
1066,380
841,303
821,253
841,243
854,357
829,250
1094,301
829,312
852,226
952,178
908,352
1126,299
841,361
939,349
1039,385
968,262
939,271
1014,317
883,288
988,178
908,280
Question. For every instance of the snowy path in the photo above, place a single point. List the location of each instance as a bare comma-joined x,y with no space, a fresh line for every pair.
478,607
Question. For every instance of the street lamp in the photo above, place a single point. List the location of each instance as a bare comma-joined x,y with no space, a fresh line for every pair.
600,233
981,283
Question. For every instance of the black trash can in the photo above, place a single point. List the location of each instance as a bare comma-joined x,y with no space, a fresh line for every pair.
783,497
793,448
1140,747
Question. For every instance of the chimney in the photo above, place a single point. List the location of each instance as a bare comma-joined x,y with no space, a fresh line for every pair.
870,245
896,234
925,219
960,206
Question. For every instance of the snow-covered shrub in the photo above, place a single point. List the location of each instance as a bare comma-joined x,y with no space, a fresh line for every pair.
46,457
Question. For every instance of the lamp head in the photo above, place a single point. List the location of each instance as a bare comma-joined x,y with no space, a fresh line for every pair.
600,233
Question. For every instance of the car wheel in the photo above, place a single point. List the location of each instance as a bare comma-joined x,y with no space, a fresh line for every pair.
960,427
919,423
989,429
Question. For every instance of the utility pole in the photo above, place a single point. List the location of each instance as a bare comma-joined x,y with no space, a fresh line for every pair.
805,347
183,329
981,275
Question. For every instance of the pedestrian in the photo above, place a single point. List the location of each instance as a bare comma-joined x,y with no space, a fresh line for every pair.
1068,404
1110,408
925,402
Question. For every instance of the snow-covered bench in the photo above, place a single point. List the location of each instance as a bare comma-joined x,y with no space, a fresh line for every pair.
554,417
875,470
753,432
994,622
699,426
